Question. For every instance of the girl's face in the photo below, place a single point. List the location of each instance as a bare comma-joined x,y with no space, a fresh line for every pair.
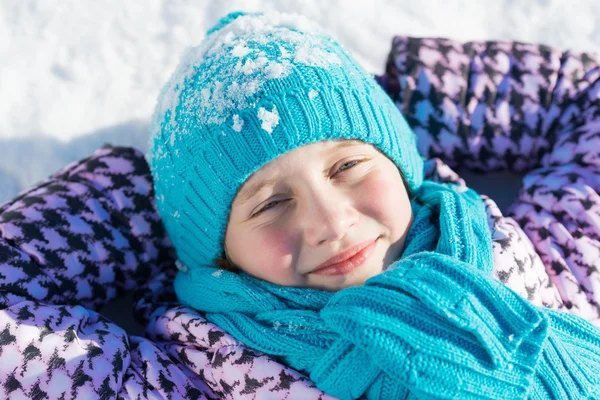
327,215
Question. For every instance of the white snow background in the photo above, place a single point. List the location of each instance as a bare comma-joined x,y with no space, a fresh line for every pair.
76,74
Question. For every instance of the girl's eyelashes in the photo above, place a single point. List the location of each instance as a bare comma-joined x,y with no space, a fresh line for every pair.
268,206
347,165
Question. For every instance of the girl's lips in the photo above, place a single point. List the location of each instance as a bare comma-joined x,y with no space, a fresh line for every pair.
350,263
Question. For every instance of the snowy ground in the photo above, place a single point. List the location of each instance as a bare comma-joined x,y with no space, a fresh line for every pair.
75,74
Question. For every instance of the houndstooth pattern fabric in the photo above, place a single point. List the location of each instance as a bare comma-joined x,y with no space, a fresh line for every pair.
492,106
90,233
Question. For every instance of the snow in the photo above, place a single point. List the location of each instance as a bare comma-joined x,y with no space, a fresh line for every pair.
244,42
238,123
217,273
269,119
308,54
77,74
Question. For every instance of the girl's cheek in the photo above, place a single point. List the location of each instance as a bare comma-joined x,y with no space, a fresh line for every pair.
380,192
384,197
275,247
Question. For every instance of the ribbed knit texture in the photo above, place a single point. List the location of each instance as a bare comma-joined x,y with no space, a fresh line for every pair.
435,324
258,87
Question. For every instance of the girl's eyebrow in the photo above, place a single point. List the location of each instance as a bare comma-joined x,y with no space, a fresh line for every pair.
252,190
346,143
247,194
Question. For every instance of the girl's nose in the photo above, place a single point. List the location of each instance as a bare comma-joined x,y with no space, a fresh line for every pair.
328,217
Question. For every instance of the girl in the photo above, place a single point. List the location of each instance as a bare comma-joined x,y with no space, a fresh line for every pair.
275,152
346,257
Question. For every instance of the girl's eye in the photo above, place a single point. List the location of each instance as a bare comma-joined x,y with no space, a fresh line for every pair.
268,206
348,165
272,204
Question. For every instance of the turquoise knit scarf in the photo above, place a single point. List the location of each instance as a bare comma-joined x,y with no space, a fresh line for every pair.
374,339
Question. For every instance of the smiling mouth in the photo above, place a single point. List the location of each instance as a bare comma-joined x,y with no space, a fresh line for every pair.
347,261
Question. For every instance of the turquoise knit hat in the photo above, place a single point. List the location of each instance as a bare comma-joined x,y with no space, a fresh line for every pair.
258,86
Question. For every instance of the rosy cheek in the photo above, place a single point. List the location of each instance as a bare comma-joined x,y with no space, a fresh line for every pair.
378,192
276,247
384,198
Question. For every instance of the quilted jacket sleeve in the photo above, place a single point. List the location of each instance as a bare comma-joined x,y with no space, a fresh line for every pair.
84,236
67,247
559,205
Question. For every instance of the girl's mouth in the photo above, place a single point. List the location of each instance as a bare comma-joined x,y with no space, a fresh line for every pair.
347,261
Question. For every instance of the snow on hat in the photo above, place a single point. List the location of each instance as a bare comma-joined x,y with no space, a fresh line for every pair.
258,86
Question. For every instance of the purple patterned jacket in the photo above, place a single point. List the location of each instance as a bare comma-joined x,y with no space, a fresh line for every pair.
90,233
